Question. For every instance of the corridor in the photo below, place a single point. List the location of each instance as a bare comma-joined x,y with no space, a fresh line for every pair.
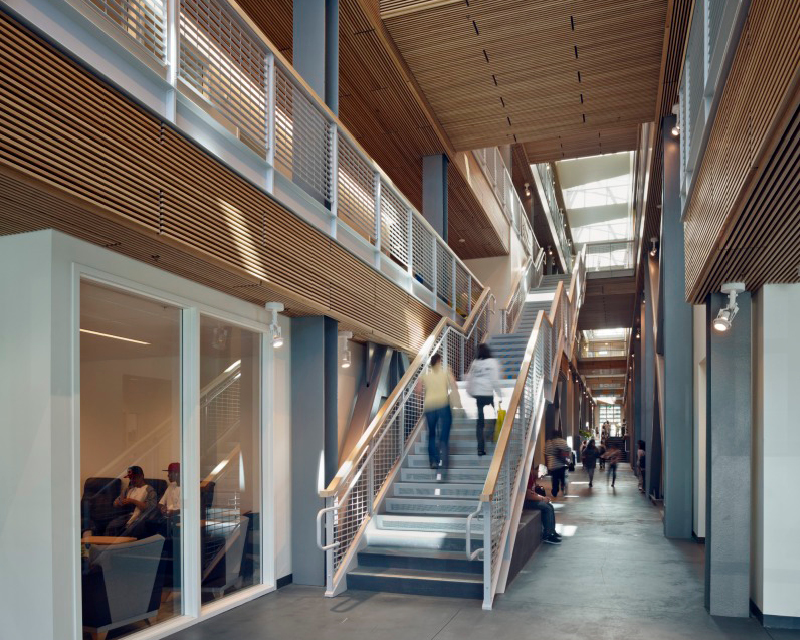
614,576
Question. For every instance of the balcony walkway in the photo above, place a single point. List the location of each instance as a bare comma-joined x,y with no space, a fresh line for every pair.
614,576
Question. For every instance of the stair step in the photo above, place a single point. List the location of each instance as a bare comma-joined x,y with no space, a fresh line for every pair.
433,540
414,581
458,461
434,506
440,524
475,475
438,490
455,447
419,559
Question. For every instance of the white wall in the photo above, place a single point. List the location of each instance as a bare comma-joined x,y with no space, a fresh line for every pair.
776,454
699,429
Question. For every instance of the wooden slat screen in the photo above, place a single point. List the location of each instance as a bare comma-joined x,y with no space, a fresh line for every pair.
78,156
743,218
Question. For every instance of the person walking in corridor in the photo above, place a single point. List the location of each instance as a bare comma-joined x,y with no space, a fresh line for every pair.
641,460
612,456
483,381
558,455
438,383
590,455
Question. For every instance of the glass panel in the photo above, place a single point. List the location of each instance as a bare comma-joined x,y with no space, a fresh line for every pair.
230,460
130,434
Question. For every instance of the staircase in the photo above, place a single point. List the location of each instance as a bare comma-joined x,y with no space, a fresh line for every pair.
417,543
619,443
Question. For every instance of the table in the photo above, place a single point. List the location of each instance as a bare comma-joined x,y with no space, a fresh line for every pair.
107,539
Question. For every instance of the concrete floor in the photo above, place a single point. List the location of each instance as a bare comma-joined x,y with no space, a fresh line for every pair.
614,576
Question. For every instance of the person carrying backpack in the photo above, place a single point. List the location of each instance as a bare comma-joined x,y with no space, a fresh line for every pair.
483,381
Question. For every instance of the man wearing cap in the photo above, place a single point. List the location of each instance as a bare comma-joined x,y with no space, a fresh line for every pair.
141,496
170,503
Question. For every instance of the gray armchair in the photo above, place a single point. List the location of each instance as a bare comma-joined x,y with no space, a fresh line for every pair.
122,585
225,568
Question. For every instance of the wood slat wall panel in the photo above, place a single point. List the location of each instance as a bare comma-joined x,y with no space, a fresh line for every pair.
743,219
77,156
504,71
381,105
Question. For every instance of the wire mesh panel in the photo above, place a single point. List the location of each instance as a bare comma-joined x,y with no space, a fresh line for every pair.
695,68
142,20
444,273
302,138
423,253
394,225
226,65
463,303
356,178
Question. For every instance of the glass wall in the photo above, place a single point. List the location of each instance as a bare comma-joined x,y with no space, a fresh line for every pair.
130,453
230,457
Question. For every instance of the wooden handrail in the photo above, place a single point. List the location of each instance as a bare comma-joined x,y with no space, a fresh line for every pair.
362,445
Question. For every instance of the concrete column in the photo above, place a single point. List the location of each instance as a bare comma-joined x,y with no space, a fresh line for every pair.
314,437
677,327
729,432
648,378
434,192
638,397
315,47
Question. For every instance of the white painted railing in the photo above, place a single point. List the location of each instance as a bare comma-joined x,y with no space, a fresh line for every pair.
607,256
215,56
499,178
362,481
530,278
503,494
544,175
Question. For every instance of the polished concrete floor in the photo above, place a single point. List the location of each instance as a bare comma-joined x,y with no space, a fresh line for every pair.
614,576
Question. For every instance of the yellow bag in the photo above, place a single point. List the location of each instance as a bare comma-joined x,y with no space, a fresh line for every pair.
501,416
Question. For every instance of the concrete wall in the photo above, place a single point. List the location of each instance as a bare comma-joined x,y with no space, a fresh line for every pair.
699,419
775,563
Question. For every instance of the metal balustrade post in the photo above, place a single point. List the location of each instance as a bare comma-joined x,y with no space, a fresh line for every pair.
435,283
410,241
462,365
334,165
173,15
370,485
272,110
453,304
329,533
487,555
377,192
469,294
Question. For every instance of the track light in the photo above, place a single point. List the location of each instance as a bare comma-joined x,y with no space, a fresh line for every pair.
527,189
653,247
220,338
344,336
549,250
676,130
638,335
274,327
724,320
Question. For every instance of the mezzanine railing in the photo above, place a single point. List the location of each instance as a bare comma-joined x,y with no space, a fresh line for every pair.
211,52
529,278
544,172
359,485
500,507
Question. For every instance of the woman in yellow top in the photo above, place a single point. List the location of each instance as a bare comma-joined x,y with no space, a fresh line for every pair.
437,383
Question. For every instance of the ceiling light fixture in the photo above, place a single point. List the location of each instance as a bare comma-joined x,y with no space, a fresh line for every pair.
274,327
111,335
724,320
344,336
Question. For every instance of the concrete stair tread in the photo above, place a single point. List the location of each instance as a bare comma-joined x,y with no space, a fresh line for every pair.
417,574
413,552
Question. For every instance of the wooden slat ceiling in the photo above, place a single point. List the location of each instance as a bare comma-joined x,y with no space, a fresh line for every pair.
582,144
609,303
381,104
503,71
78,156
743,219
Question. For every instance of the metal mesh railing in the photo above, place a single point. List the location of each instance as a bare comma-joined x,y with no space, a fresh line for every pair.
142,20
356,190
226,66
394,221
547,179
351,498
444,273
501,491
423,259
529,280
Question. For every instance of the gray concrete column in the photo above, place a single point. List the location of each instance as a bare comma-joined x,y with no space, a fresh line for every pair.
315,47
638,396
677,330
728,453
648,378
434,193
314,392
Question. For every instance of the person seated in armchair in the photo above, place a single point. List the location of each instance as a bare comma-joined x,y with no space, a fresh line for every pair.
139,495
170,503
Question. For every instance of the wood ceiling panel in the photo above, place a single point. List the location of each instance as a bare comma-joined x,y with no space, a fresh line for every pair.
581,145
78,156
381,105
743,218
504,71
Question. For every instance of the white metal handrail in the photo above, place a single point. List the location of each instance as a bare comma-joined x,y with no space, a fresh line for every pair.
504,491
530,278
545,173
215,55
499,178
360,484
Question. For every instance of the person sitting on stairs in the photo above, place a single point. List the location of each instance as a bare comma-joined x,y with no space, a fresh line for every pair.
483,380
535,498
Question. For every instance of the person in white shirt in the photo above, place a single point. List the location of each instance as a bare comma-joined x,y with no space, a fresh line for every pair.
483,381
170,503
139,495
